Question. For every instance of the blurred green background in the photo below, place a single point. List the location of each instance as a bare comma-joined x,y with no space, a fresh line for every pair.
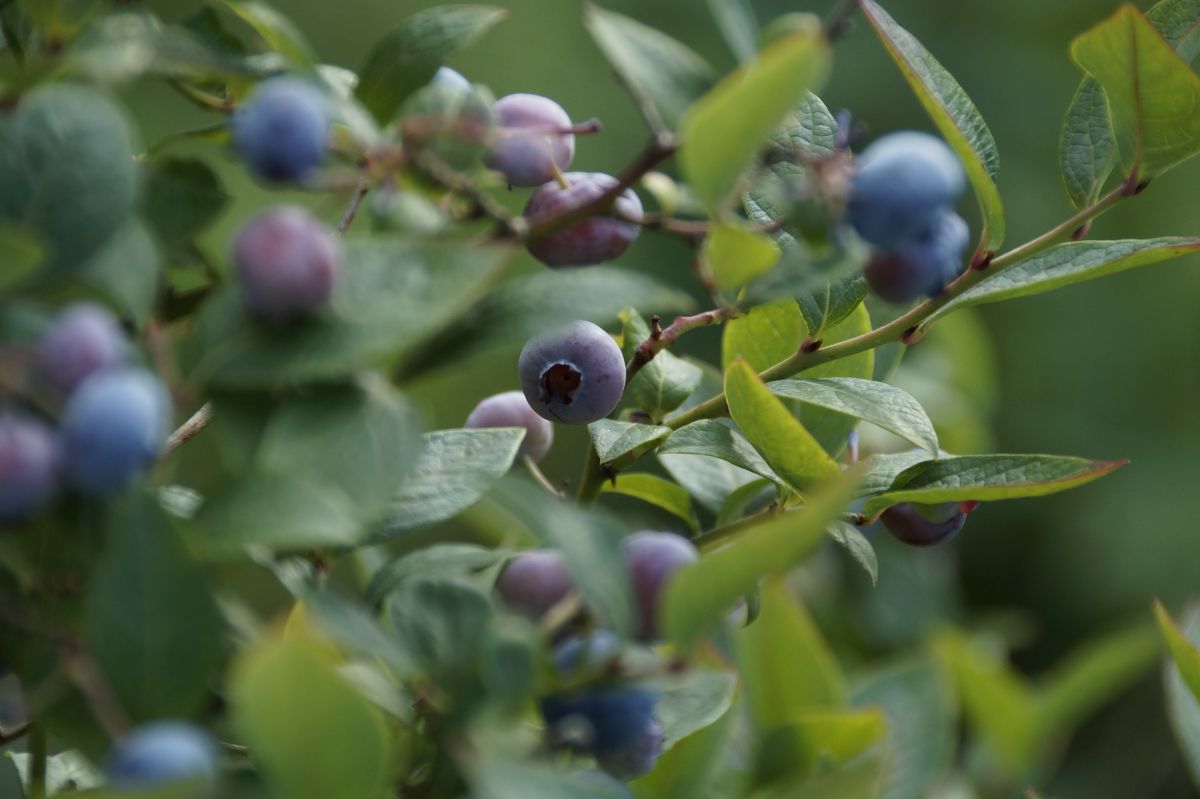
1109,369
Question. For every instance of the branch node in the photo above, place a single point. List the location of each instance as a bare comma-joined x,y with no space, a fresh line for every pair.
1081,232
913,335
982,261
810,345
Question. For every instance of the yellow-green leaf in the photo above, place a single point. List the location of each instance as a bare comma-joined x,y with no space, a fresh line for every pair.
764,335
735,256
1183,652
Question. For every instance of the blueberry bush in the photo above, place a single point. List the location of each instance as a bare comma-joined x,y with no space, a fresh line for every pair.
235,561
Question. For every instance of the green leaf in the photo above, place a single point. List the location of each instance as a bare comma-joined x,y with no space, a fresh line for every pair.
858,545
782,441
502,776
21,254
885,406
279,32
829,428
709,480
828,305
442,624
1153,95
1183,707
652,65
588,539
738,503
699,596
881,469
997,702
952,111
453,470
182,197
763,336
126,271
787,667
407,58
393,294
735,256
624,442
989,477
1073,262
661,493
150,619
692,701
726,127
355,631
824,738
1092,676
1184,653
735,19
686,769
268,680
56,148
1086,152
922,719
717,439
663,384
438,561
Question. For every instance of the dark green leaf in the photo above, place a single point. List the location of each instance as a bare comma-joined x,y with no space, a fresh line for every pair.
21,254
857,545
735,19
408,57
989,477
828,305
726,127
717,439
653,489
709,480
663,384
624,442
883,405
151,621
182,197
440,560
952,111
830,428
279,32
453,470
441,623
126,271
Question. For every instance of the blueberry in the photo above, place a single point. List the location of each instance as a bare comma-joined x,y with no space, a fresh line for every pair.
901,181
29,466
84,338
601,721
450,78
573,375
533,582
282,129
510,409
163,753
636,759
651,559
594,240
924,267
533,143
113,427
592,650
925,525
287,262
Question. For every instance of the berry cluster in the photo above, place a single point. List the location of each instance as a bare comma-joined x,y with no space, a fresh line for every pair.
901,202
601,713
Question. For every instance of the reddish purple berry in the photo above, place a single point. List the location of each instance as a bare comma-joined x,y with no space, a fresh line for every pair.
510,409
926,525
288,263
923,267
85,338
533,582
29,466
573,375
652,558
594,240
533,139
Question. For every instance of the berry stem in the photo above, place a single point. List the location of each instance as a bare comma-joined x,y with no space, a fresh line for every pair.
510,226
593,477
914,319
360,193
539,476
670,334
198,421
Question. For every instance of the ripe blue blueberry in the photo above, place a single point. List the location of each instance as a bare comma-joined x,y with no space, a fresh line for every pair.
29,466
84,338
601,721
652,558
281,130
287,262
902,180
533,139
636,759
926,525
533,582
163,753
923,267
573,375
510,409
592,651
594,240
113,427
445,76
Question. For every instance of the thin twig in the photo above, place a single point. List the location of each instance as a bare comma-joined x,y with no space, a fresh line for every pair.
910,325
209,102
837,24
539,476
190,428
360,193
663,337
510,226
13,733
91,682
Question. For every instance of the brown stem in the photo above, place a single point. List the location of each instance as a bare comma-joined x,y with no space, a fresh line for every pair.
360,193
837,24
198,421
510,226
91,682
661,338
